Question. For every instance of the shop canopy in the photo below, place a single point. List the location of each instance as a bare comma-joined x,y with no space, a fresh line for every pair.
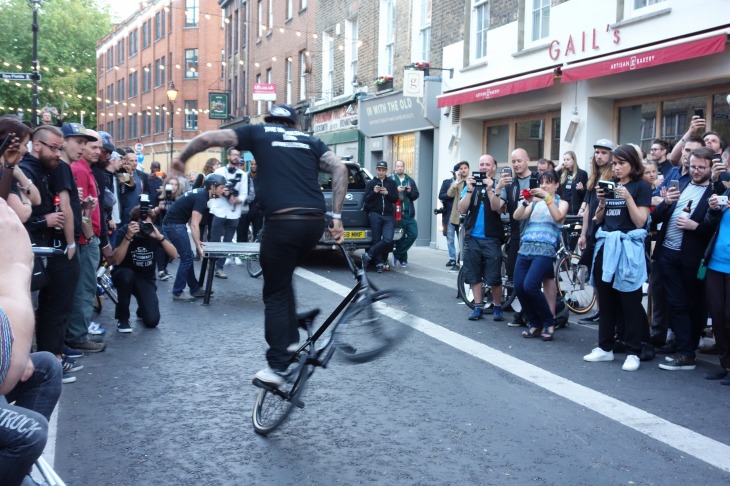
666,53
543,79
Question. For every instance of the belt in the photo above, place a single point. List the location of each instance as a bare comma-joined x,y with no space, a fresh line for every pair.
310,217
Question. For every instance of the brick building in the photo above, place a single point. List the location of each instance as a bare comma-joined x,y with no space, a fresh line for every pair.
164,42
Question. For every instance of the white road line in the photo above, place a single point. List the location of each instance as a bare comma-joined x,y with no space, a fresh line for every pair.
697,445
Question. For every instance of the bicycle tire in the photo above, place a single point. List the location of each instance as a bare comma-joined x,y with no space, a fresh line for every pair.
573,282
271,410
466,294
253,266
106,283
364,333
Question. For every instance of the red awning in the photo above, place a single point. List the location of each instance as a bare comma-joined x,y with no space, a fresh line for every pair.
496,90
647,58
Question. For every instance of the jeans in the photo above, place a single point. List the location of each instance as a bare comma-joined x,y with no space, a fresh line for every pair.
410,233
255,218
285,244
717,285
225,228
55,303
144,289
529,274
83,302
178,236
161,258
687,311
382,228
450,237
24,425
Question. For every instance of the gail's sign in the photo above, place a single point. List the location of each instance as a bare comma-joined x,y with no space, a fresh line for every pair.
585,41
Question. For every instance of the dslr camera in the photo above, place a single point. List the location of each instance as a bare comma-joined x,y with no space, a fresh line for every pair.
231,190
145,228
440,210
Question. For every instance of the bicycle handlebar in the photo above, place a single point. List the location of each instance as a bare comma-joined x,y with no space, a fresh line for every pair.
46,251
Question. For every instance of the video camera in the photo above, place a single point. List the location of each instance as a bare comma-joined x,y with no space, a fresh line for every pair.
441,210
145,228
231,186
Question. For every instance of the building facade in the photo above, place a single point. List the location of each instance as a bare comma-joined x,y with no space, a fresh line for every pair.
165,43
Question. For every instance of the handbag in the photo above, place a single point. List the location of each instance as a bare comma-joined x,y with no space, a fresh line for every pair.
702,270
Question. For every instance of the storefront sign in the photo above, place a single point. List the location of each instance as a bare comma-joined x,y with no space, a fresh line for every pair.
218,103
587,41
264,92
340,118
396,113
496,90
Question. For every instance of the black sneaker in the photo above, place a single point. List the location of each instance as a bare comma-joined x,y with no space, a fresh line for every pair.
451,263
72,353
123,326
70,366
678,362
591,319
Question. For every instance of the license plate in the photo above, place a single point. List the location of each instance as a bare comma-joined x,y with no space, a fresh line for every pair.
354,235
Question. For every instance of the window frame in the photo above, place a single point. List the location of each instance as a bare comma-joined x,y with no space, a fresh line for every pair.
191,115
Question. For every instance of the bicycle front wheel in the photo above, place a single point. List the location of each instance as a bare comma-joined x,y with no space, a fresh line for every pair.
253,265
271,409
106,283
364,332
574,285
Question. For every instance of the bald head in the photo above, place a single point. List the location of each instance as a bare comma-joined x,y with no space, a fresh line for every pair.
520,163
487,164
92,150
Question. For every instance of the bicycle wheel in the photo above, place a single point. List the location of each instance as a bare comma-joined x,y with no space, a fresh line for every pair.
106,283
466,294
364,332
253,265
574,285
271,409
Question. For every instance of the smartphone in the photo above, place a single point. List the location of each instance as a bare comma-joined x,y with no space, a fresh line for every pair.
674,185
722,200
506,172
700,113
607,187
533,183
5,143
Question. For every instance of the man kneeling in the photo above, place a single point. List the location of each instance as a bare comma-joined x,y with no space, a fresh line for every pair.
134,274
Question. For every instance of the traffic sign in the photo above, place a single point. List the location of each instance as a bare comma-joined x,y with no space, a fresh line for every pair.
138,147
18,76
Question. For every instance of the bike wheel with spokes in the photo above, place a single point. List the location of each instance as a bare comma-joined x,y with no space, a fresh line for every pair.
574,285
466,294
106,283
271,409
253,265
366,329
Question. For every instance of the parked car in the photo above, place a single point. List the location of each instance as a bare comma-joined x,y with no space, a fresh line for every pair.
354,218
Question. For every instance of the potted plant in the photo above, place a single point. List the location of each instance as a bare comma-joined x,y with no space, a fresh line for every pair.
420,66
384,82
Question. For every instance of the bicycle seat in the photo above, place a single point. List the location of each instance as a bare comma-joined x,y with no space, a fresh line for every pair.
306,317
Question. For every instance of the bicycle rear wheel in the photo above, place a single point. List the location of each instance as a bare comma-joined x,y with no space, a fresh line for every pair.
106,283
466,294
574,285
271,409
364,332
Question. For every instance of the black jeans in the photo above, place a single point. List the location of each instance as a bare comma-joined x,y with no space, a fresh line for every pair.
717,285
222,228
619,307
383,229
512,249
56,302
285,244
129,283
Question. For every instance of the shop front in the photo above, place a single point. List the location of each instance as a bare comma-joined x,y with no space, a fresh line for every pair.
336,125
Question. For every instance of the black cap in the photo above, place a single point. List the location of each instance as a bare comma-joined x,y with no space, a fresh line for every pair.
382,164
282,112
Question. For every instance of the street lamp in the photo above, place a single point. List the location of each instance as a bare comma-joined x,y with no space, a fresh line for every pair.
35,5
171,96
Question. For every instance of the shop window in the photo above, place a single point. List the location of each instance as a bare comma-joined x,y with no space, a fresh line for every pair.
530,135
720,121
676,115
498,143
404,148
637,124
555,154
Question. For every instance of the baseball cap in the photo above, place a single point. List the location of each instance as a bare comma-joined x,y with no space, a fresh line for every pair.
605,143
107,141
76,130
281,112
382,164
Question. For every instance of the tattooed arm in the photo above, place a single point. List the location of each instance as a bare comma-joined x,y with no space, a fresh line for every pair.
214,138
332,164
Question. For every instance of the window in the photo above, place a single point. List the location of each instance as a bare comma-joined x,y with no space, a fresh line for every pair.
100,100
147,78
481,26
303,4
120,129
258,102
146,123
540,19
120,51
160,72
110,128
133,123
110,95
288,80
645,3
191,115
120,90
234,47
109,58
160,25
146,34
425,33
133,84
192,13
289,9
351,55
169,67
271,14
389,40
328,66
260,13
302,75
191,63
160,116
132,42
269,79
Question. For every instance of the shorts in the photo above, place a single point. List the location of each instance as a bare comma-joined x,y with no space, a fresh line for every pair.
482,261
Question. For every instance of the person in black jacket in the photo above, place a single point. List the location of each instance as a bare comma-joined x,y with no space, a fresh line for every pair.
573,181
682,240
446,228
381,195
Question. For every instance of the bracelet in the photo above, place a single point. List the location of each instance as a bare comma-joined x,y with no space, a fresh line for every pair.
336,215
162,240
85,219
469,192
26,189
549,200
127,237
525,203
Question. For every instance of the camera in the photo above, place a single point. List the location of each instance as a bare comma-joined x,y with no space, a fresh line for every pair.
478,178
144,211
168,192
608,189
441,210
231,186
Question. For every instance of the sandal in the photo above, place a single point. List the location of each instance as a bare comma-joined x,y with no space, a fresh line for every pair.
548,335
533,332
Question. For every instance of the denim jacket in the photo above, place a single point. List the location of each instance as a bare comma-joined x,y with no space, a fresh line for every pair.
623,258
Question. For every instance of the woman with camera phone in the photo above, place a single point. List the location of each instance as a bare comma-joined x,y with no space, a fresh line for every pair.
134,273
619,262
171,188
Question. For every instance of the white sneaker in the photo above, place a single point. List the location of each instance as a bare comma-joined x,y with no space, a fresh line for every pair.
96,329
598,355
270,377
632,363
237,261
227,262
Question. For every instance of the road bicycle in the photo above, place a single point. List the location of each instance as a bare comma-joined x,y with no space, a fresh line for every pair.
360,328
572,277
253,266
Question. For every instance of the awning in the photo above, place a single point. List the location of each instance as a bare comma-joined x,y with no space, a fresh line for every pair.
483,92
649,57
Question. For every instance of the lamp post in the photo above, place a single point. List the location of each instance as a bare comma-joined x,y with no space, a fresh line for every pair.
171,96
35,5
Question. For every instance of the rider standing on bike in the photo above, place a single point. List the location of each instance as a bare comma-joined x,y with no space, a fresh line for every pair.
288,190
483,238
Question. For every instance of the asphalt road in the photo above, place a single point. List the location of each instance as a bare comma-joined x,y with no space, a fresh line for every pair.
459,402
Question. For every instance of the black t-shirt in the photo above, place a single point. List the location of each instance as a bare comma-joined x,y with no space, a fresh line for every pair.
183,207
617,216
287,166
140,255
62,179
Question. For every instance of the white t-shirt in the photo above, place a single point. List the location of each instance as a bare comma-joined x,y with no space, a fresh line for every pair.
220,206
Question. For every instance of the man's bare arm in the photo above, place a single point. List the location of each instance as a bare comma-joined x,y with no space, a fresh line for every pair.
331,163
214,138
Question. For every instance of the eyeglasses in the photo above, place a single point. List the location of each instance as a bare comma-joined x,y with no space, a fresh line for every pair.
52,147
698,169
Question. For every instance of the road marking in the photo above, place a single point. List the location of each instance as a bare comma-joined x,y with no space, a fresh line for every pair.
704,448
